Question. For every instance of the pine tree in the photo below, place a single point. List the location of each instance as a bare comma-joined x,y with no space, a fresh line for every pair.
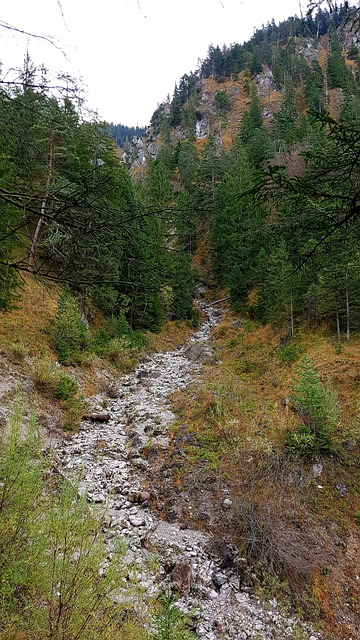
188,163
255,138
338,74
317,405
286,120
236,211
314,87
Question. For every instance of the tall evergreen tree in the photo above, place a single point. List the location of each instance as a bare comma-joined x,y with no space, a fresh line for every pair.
236,211
286,120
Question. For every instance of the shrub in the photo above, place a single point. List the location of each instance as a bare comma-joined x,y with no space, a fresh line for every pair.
55,383
170,622
44,374
67,330
9,281
66,387
119,352
288,354
73,409
56,577
194,321
18,351
117,329
72,406
282,547
301,442
138,340
100,341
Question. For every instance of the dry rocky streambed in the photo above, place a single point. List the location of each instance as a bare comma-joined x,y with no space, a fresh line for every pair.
207,573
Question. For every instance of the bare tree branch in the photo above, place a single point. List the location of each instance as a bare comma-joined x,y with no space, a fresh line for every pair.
48,39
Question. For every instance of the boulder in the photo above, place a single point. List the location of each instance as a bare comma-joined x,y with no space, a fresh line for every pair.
199,353
181,577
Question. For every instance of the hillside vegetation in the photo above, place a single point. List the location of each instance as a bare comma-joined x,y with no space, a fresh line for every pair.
247,183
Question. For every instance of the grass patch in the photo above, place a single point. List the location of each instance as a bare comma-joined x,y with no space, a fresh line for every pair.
17,351
25,324
242,415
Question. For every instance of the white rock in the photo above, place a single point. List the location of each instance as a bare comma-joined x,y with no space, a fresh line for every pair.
137,521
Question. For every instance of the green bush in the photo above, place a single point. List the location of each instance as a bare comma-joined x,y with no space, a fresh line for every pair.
138,340
118,351
73,409
67,330
194,321
316,404
100,341
170,623
301,442
56,578
288,354
72,405
44,374
9,281
117,329
54,383
66,387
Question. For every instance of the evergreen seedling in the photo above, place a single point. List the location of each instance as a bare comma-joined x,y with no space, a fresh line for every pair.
67,330
316,404
170,622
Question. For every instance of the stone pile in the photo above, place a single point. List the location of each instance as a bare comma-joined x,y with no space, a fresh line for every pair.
110,456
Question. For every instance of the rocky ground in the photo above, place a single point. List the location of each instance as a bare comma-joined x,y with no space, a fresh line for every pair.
111,456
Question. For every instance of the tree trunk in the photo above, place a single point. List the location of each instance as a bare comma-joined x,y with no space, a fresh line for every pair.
347,305
31,259
338,327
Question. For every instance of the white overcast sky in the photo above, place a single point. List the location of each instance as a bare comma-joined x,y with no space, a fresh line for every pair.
130,53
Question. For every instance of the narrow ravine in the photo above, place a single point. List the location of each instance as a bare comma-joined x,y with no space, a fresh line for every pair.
114,475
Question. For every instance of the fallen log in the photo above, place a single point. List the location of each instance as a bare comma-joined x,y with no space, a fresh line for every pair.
211,304
96,417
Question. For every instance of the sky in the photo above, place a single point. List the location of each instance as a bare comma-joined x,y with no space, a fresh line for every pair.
129,53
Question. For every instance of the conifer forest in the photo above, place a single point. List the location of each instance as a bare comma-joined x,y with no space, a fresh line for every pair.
180,349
